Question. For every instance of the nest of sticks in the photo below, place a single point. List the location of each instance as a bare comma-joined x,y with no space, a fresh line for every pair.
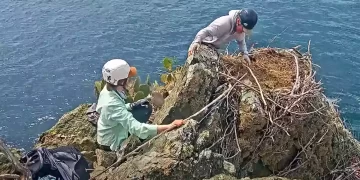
284,81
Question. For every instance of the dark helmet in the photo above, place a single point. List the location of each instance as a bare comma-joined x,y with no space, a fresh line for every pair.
248,18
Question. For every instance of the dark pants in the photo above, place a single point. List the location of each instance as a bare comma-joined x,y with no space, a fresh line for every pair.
141,114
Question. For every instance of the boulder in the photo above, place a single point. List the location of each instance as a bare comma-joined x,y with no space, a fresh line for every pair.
275,123
186,96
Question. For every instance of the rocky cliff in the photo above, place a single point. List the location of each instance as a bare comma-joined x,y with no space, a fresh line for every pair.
272,121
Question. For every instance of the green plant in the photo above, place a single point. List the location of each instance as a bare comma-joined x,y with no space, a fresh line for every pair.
145,89
99,85
139,95
129,99
138,90
137,84
148,80
169,76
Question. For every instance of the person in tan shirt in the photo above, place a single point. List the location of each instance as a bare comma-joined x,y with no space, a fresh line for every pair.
222,30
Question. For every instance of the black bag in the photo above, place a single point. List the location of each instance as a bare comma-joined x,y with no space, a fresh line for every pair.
63,163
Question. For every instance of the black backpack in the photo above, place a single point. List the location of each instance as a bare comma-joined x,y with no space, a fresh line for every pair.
62,163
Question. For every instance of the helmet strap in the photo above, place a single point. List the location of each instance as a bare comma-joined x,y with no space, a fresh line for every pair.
122,94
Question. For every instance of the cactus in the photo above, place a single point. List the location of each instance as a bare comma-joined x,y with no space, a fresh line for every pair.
145,89
129,99
136,84
139,95
155,85
163,78
99,85
148,80
167,63
170,77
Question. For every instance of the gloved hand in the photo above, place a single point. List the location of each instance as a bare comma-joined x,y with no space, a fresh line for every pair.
178,122
193,47
141,102
246,58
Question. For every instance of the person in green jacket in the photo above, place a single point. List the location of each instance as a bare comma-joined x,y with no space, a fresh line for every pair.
116,121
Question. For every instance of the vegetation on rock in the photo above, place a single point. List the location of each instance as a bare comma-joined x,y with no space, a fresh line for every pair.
171,74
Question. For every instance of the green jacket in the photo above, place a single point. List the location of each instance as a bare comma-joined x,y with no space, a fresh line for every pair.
116,121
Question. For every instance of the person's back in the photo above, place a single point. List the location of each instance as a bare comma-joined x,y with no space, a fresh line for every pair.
107,127
220,31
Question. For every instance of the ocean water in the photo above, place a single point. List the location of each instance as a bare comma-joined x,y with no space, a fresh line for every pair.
52,51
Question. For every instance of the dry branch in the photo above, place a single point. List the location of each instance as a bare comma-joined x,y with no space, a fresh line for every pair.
297,74
9,176
257,82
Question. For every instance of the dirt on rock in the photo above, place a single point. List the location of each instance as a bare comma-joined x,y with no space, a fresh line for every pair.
274,69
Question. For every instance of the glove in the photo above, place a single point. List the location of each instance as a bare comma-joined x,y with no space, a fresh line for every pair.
193,47
139,103
247,59
178,122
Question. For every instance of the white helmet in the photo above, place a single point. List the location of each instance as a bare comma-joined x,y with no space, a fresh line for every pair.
117,69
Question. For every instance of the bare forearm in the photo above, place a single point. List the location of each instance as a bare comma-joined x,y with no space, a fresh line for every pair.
242,46
161,128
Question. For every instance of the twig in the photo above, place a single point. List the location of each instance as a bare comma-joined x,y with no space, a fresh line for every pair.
167,130
237,142
15,162
309,55
303,149
9,176
297,75
257,82
211,103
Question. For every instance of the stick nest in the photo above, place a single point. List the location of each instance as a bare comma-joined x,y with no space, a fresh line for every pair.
289,99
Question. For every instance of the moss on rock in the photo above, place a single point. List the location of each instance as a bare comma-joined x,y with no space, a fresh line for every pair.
73,129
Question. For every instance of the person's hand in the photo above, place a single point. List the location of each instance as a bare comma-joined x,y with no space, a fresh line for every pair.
178,123
246,58
141,102
193,47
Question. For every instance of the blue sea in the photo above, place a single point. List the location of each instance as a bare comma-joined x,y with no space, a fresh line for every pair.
51,52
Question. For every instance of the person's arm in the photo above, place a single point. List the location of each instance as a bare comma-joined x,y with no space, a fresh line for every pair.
161,128
121,115
203,33
217,28
242,44
128,107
